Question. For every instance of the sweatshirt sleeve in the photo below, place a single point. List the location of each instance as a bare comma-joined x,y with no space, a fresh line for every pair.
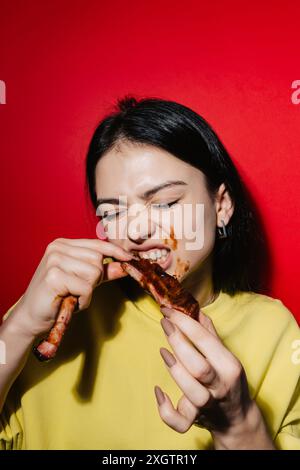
11,430
286,386
288,437
277,391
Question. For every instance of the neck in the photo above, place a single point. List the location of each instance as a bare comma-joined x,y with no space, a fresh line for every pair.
200,284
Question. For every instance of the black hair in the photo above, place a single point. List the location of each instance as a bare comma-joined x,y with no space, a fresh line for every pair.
239,261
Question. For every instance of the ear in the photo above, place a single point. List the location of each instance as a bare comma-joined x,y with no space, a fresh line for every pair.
224,205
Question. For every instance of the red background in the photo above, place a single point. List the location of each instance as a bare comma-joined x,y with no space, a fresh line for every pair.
65,63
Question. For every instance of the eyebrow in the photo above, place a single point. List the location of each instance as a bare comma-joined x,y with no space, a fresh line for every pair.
167,184
147,194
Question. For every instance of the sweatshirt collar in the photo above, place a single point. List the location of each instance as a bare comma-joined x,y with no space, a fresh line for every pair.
149,306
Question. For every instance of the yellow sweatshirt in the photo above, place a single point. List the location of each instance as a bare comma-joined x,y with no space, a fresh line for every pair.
98,391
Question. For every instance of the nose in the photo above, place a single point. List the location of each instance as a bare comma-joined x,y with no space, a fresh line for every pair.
140,227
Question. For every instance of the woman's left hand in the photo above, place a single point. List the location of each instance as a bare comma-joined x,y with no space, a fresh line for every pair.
214,385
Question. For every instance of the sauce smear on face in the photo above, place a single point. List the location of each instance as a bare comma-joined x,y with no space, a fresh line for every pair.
181,268
171,242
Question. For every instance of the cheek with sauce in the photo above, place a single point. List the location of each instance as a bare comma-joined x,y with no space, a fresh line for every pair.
181,268
171,242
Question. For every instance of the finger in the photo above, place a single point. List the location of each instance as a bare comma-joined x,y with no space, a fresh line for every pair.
207,343
66,284
104,247
207,323
194,390
85,254
87,271
186,408
168,414
189,356
113,271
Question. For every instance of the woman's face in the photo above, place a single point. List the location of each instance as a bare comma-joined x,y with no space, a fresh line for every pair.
157,206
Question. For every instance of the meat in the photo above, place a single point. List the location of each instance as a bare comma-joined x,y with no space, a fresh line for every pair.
47,348
165,289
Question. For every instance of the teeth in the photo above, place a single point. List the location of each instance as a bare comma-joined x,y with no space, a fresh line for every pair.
154,255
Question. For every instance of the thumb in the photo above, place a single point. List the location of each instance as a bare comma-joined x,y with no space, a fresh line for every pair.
113,270
207,323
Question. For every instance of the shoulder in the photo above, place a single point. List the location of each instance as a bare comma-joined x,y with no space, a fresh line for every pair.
263,333
263,307
258,316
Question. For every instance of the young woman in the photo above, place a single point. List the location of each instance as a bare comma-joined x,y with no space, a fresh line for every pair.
229,380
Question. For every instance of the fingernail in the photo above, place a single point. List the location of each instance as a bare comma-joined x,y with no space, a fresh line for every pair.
167,326
167,357
159,394
166,311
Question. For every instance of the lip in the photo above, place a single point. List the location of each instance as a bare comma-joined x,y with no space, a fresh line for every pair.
168,261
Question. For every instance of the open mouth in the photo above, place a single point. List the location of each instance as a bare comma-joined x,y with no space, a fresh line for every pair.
162,256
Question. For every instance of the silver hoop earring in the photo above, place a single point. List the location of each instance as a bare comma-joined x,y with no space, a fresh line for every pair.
222,232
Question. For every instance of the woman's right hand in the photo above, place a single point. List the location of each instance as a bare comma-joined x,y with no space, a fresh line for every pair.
69,266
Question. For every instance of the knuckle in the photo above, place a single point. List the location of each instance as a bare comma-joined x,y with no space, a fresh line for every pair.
202,399
96,272
166,415
235,371
53,259
52,274
85,298
87,290
94,276
98,257
84,302
50,248
99,277
183,428
53,245
203,372
222,392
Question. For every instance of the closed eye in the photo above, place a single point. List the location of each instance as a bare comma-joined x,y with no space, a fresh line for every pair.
110,215
165,205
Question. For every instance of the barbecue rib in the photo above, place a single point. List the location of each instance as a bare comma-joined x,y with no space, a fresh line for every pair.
165,289
47,348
